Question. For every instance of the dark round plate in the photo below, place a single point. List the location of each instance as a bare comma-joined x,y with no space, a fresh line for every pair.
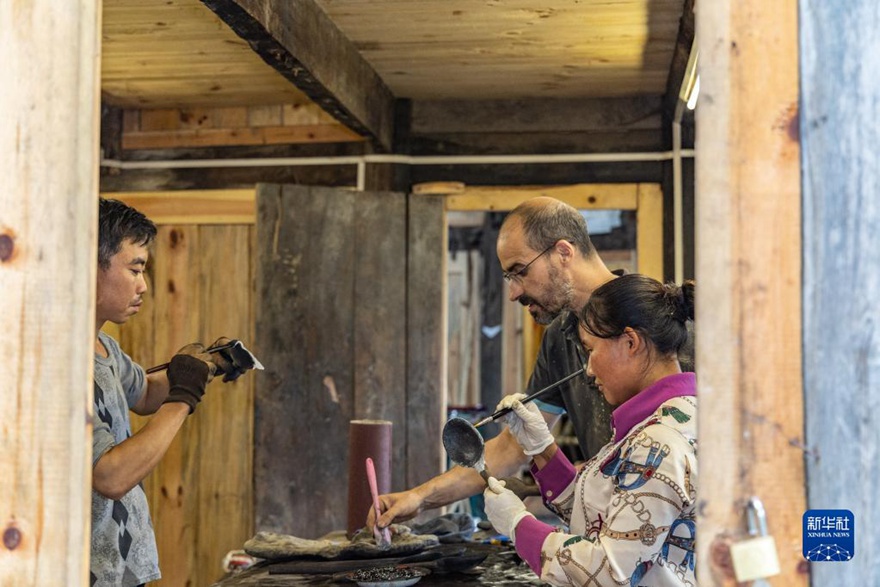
387,576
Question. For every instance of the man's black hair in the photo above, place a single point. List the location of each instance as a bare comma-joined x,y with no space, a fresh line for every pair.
118,222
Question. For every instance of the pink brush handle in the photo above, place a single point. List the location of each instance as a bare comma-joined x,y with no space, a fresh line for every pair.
374,491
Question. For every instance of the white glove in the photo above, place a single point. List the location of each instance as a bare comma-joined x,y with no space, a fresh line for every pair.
503,508
527,424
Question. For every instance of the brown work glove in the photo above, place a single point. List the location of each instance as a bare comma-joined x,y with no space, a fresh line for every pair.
190,370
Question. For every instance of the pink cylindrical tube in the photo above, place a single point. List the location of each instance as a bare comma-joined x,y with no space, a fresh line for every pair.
366,439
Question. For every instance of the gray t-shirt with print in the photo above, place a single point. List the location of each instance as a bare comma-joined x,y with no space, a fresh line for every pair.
123,543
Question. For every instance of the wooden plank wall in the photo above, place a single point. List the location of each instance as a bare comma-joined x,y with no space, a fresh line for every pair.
48,220
169,128
304,322
839,134
748,272
331,323
379,228
426,328
201,494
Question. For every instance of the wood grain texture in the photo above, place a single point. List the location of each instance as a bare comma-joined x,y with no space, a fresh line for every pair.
172,488
426,315
169,128
305,46
177,53
48,219
216,137
200,495
838,134
379,326
224,468
305,330
624,114
192,206
748,270
441,49
331,319
581,196
649,231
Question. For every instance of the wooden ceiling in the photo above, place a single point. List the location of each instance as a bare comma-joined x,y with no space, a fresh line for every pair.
179,54
503,49
357,60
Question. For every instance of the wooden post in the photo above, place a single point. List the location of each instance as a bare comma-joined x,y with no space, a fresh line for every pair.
649,227
839,136
48,215
748,271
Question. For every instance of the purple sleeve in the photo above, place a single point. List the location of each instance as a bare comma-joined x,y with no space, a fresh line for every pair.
555,477
530,536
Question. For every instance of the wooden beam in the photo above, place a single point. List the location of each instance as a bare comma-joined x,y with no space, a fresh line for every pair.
211,137
431,117
748,271
550,174
171,128
531,142
605,125
193,206
583,196
237,206
48,251
300,41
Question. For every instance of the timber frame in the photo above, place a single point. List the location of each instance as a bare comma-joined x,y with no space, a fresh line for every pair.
298,39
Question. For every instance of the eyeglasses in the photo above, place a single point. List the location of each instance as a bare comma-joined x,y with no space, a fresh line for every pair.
521,272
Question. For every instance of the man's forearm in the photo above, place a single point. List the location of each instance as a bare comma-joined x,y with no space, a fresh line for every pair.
126,464
503,457
155,394
455,484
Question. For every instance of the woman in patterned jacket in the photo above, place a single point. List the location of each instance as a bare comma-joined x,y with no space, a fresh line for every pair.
631,508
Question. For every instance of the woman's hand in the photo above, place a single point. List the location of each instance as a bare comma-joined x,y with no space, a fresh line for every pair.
526,424
503,508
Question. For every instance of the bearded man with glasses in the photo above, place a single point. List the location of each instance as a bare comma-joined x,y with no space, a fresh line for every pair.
552,267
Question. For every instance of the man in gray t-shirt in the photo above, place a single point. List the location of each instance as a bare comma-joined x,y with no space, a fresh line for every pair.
123,546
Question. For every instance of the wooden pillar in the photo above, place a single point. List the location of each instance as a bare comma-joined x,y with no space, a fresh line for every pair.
48,217
748,271
839,137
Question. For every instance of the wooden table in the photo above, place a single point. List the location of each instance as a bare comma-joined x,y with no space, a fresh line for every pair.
502,567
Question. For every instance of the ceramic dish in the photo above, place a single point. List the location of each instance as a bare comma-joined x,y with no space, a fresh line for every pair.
388,576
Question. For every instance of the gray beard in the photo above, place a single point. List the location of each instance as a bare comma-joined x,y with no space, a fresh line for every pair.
560,296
